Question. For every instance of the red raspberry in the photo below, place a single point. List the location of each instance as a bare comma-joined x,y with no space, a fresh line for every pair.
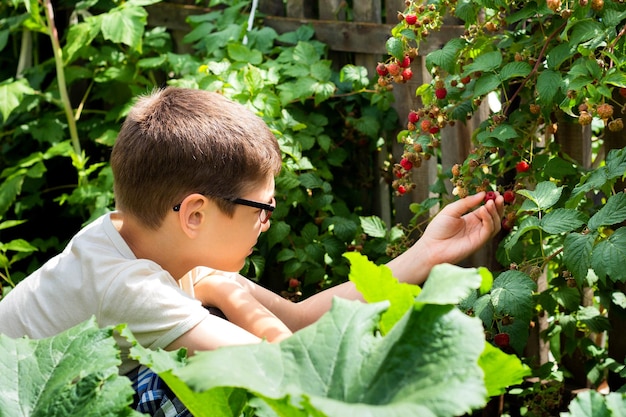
413,117
401,189
407,74
393,68
381,69
425,125
622,91
509,196
410,19
489,195
522,166
502,340
441,93
406,61
506,224
294,283
434,130
406,164
466,80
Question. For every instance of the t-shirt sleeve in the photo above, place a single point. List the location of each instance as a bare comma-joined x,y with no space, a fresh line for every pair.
156,310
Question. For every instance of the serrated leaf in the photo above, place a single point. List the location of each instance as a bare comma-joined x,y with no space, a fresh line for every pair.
501,370
449,284
277,233
608,256
577,254
515,70
445,57
512,295
548,84
613,212
376,284
558,55
528,224
395,48
489,61
72,374
240,52
486,84
545,195
562,220
125,24
584,30
616,163
11,95
373,226
378,376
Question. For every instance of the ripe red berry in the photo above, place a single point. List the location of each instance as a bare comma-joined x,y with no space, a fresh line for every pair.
509,196
293,283
401,189
406,164
406,61
622,91
434,130
466,80
441,93
381,69
502,340
410,19
522,166
393,68
407,74
489,195
425,125
506,224
413,117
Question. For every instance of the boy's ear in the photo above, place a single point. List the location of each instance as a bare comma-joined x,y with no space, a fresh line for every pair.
192,212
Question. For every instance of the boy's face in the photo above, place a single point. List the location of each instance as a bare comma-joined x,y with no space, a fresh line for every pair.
230,240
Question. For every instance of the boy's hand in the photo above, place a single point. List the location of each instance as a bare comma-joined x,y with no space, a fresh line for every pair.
458,229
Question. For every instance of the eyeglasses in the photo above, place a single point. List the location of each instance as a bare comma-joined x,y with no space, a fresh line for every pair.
266,209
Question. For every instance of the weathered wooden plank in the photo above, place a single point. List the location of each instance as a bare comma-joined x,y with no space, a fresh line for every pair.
332,9
358,37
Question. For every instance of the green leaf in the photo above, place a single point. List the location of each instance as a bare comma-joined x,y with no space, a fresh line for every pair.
545,195
515,70
501,370
562,220
512,295
449,284
373,226
489,61
345,368
356,75
608,256
558,55
445,57
72,374
616,163
125,24
613,212
376,284
577,254
80,35
11,95
277,233
584,30
240,52
486,84
305,53
548,84
395,48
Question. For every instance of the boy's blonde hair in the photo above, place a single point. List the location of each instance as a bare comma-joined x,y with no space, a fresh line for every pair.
178,141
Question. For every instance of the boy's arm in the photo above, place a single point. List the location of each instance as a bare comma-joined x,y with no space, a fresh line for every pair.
240,307
458,230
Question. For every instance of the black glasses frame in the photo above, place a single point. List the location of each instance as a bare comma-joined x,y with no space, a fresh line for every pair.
266,208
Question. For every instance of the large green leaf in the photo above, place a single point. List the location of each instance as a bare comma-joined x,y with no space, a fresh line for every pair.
125,24
427,362
613,212
562,220
544,196
72,374
608,256
11,94
593,404
577,254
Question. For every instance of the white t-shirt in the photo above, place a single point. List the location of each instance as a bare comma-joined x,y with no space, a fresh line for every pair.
98,275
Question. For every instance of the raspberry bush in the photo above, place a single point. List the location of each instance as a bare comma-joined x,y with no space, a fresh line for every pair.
552,75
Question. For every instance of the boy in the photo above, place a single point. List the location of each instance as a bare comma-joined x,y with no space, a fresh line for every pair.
194,186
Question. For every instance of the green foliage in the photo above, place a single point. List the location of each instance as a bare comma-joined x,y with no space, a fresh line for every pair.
71,374
433,361
61,115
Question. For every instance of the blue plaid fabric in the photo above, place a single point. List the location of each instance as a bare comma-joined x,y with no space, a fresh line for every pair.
153,396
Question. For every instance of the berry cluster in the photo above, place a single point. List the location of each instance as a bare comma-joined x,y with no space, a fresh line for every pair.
604,112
